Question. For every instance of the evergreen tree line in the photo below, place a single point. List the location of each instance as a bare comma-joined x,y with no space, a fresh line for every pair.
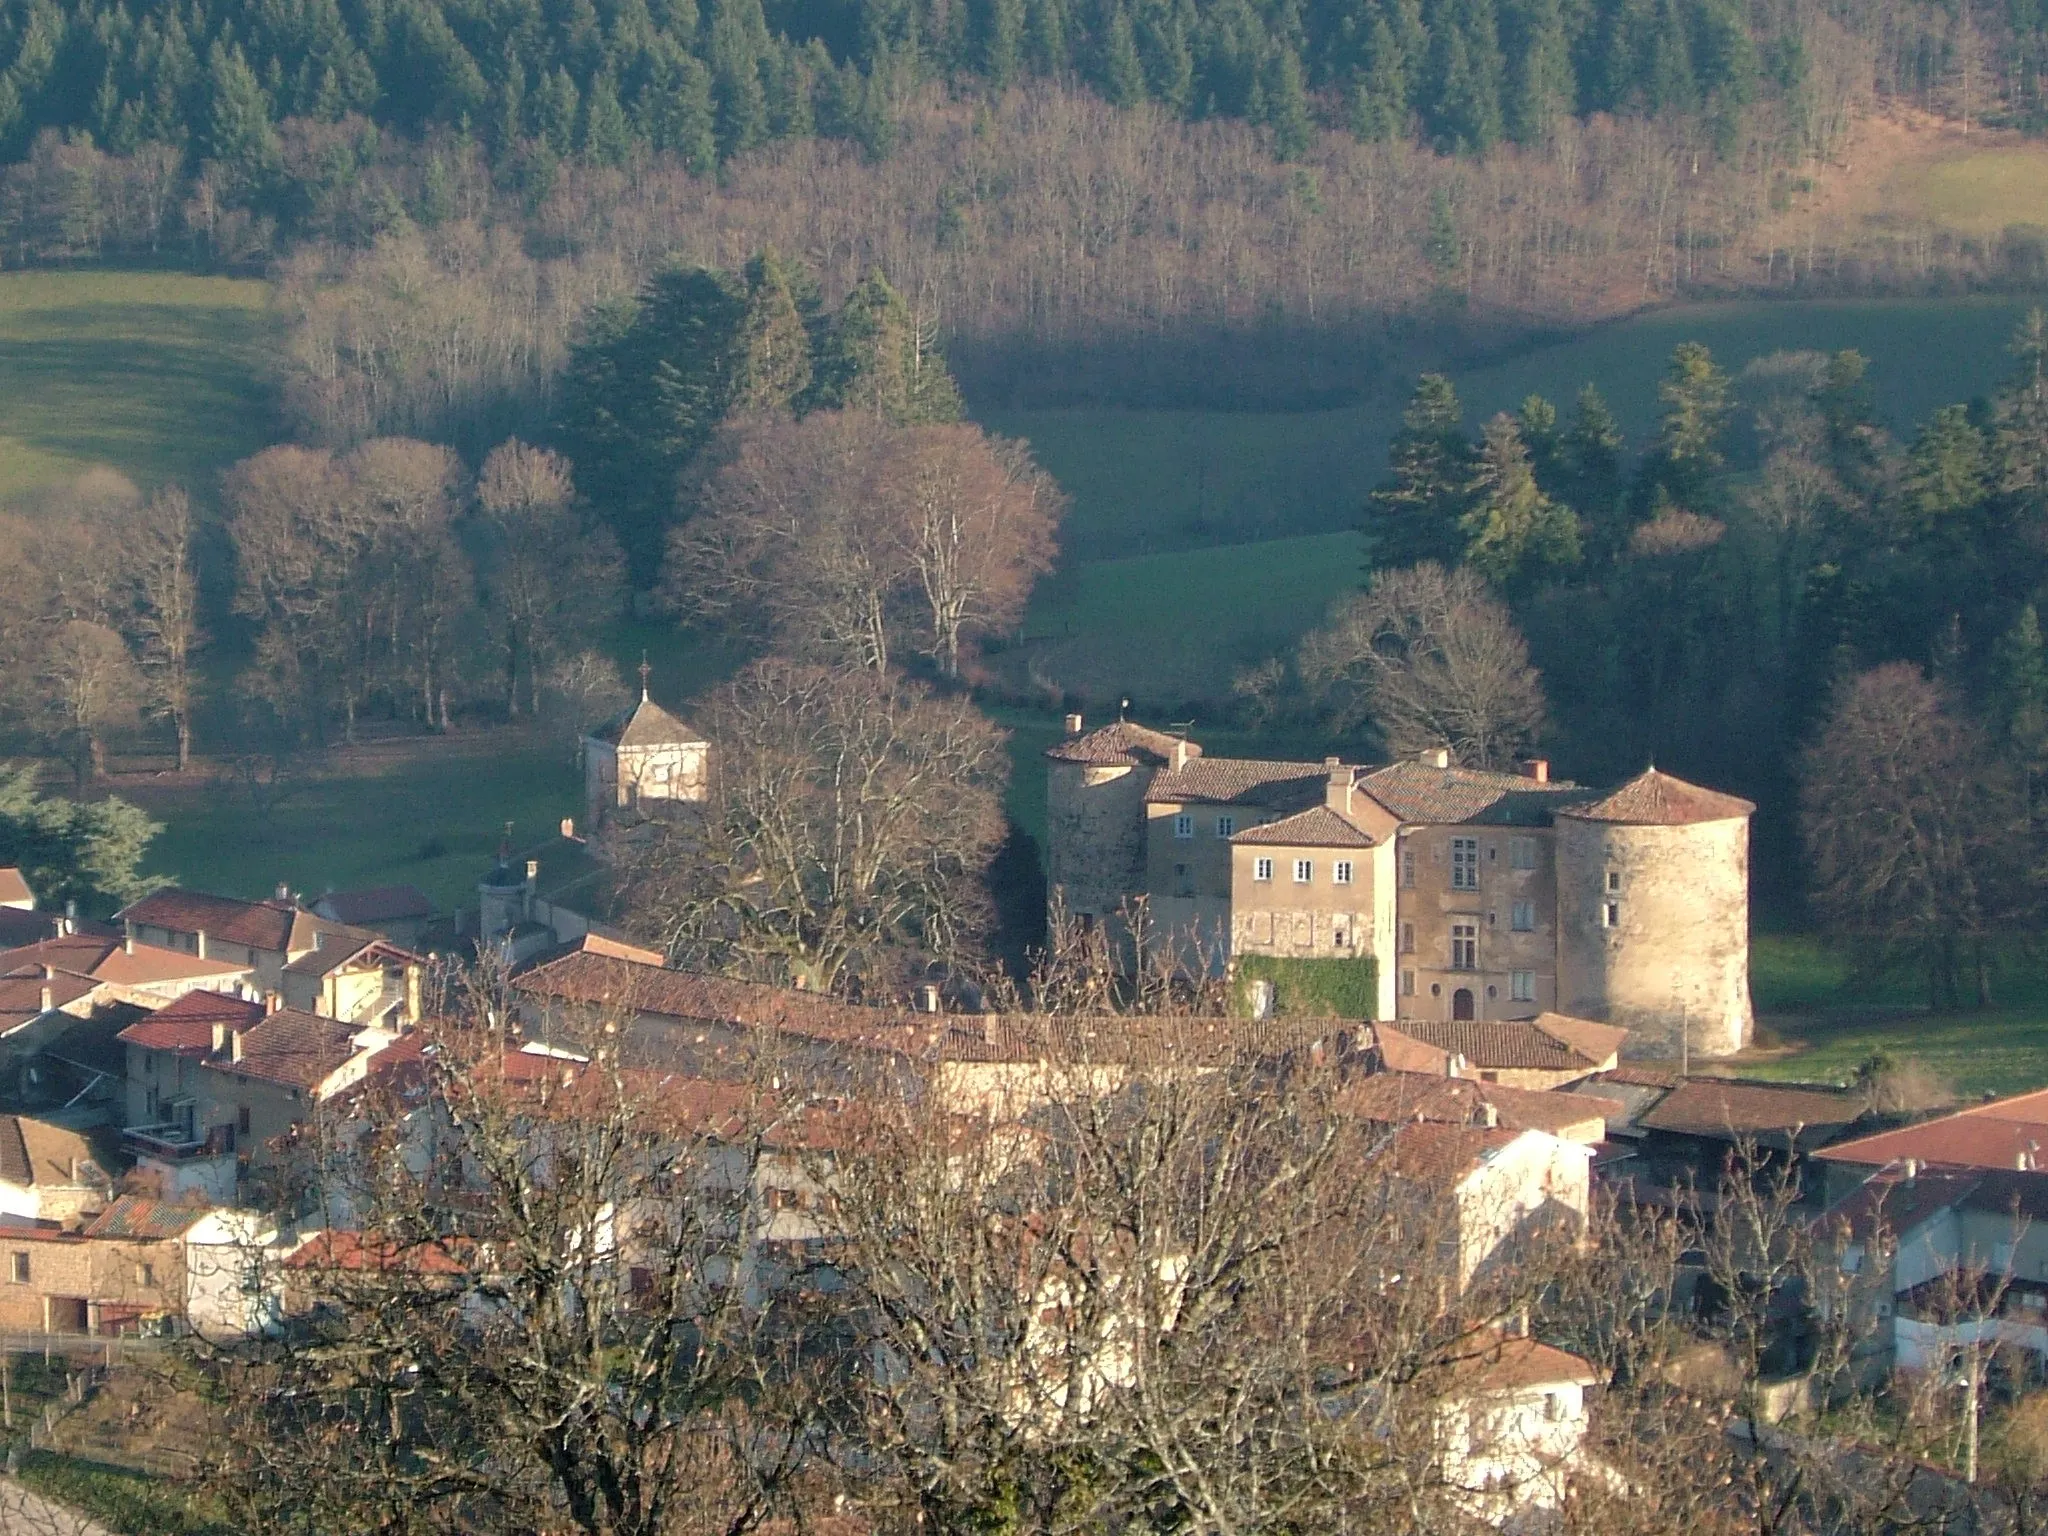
1715,601
243,89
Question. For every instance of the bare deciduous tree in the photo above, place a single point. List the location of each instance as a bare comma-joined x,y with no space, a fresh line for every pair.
165,612
851,823
1917,834
1431,658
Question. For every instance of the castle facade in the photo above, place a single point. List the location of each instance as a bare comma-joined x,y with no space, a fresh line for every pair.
1480,895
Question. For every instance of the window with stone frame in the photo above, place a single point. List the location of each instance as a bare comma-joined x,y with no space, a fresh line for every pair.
1523,917
1464,863
1464,946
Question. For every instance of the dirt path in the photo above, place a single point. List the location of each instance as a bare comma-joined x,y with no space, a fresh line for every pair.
26,1514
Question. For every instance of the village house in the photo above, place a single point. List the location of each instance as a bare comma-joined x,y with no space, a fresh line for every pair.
49,1173
1476,895
399,913
310,962
126,970
1513,1425
213,1077
1494,1189
232,1286
1945,1259
1548,1051
122,1273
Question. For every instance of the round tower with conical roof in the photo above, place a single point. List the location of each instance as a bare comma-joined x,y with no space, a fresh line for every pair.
1653,915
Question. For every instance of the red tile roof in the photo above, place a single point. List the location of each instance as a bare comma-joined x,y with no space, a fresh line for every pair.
298,1050
1433,1152
1489,1362
109,959
21,997
1724,1110
358,1251
2006,1133
1240,781
1422,793
1656,799
186,1026
1550,1042
1395,1097
37,1152
255,924
139,1219
1317,827
1121,744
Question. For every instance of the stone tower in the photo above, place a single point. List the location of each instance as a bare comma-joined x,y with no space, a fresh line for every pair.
1653,914
1095,811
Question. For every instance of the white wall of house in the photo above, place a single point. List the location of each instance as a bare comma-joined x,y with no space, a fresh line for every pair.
232,1284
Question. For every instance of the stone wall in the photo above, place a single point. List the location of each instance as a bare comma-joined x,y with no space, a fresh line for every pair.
1095,835
1430,905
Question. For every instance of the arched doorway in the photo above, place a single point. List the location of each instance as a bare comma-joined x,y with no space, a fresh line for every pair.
1461,1003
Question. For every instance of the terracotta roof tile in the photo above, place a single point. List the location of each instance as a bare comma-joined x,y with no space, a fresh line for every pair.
21,997
1995,1135
1130,1039
1121,744
1433,1152
1491,1362
1240,781
1423,793
105,958
186,1026
1551,1042
1317,827
1722,1109
299,1050
1656,799
255,924
139,1219
37,1152
1395,1097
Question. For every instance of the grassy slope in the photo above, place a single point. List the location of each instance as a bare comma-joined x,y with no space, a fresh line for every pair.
160,375
371,825
1980,193
1169,592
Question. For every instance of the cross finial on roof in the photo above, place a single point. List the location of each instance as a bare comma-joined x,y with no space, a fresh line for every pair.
644,670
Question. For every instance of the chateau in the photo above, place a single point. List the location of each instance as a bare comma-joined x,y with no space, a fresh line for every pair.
1479,895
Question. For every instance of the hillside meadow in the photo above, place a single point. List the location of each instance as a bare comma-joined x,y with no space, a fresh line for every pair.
160,375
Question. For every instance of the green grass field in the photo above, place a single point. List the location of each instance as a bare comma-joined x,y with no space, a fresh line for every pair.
1811,997
1152,481
1200,541
1981,193
160,375
431,817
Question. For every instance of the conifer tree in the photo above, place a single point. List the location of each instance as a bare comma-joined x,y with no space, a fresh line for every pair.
774,366
1512,529
1414,514
878,358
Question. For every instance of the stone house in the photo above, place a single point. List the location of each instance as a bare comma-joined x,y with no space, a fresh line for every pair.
214,1077
309,961
398,912
1512,1428
124,1271
1493,1187
1511,894
1548,1051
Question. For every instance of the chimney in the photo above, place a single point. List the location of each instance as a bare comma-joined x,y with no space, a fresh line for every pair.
929,997
272,1001
568,828
128,942
1454,1064
1911,1170
1073,725
532,872
1435,757
1180,752
1535,769
220,1036
1337,793
199,943
71,909
235,1045
1489,1117
49,1001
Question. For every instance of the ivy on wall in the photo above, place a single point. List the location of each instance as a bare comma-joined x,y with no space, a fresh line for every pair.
1344,989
